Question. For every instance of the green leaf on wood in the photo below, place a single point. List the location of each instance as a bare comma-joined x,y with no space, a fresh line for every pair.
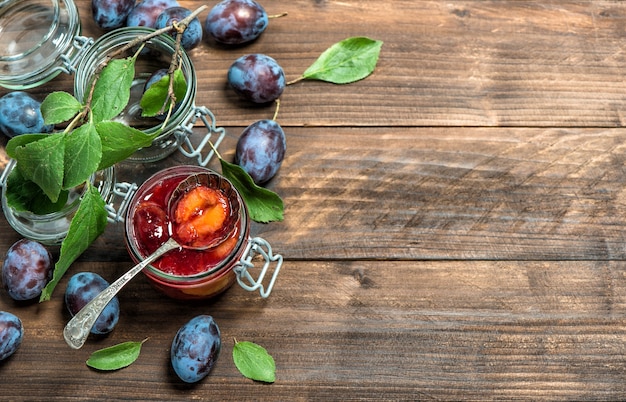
83,150
120,141
115,357
88,223
347,61
59,107
42,163
263,205
112,90
254,362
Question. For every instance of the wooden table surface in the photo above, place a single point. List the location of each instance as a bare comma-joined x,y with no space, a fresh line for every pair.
453,223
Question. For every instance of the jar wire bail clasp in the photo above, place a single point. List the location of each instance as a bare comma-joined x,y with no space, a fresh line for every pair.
69,62
183,136
258,246
123,191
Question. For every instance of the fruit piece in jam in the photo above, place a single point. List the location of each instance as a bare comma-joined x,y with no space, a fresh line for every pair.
200,216
153,226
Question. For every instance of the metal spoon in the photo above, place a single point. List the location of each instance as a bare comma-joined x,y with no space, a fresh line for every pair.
77,329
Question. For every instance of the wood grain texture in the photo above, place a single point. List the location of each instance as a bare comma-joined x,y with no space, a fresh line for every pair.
453,225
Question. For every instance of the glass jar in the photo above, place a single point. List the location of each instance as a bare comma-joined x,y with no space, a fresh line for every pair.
207,273
36,40
157,54
40,39
51,229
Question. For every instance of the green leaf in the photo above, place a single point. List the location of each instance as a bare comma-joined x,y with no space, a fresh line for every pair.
88,223
347,61
42,163
115,357
153,100
112,90
20,141
24,195
83,150
59,107
254,362
263,205
120,141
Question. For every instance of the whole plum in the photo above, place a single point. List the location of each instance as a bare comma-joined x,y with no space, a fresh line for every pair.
234,22
11,334
195,348
192,35
261,149
26,270
257,78
111,14
20,113
145,12
81,289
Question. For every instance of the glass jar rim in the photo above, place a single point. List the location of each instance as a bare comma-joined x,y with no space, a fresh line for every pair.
117,38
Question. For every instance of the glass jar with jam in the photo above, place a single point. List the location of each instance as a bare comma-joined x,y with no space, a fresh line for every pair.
187,273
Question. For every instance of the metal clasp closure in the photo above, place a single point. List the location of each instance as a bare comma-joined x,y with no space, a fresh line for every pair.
125,191
187,148
258,246
69,63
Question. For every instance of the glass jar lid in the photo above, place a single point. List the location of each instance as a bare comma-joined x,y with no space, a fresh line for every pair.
34,34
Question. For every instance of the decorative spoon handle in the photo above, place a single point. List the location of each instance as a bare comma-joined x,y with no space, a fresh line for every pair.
77,329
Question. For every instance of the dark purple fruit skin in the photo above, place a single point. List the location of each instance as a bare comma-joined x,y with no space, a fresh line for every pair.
235,22
192,35
145,12
26,270
261,149
20,113
195,348
11,334
257,78
81,289
111,14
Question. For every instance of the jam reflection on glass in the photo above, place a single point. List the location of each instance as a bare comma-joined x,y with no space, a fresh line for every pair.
199,214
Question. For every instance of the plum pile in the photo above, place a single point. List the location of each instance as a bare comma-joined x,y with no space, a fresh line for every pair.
195,348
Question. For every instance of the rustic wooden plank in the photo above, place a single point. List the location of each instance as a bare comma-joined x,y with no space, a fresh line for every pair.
371,330
459,193
463,63
435,193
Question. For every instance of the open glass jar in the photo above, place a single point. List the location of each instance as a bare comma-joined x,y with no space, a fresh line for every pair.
51,228
41,38
36,41
195,274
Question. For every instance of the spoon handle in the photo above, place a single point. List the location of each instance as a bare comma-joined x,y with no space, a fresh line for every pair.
77,329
